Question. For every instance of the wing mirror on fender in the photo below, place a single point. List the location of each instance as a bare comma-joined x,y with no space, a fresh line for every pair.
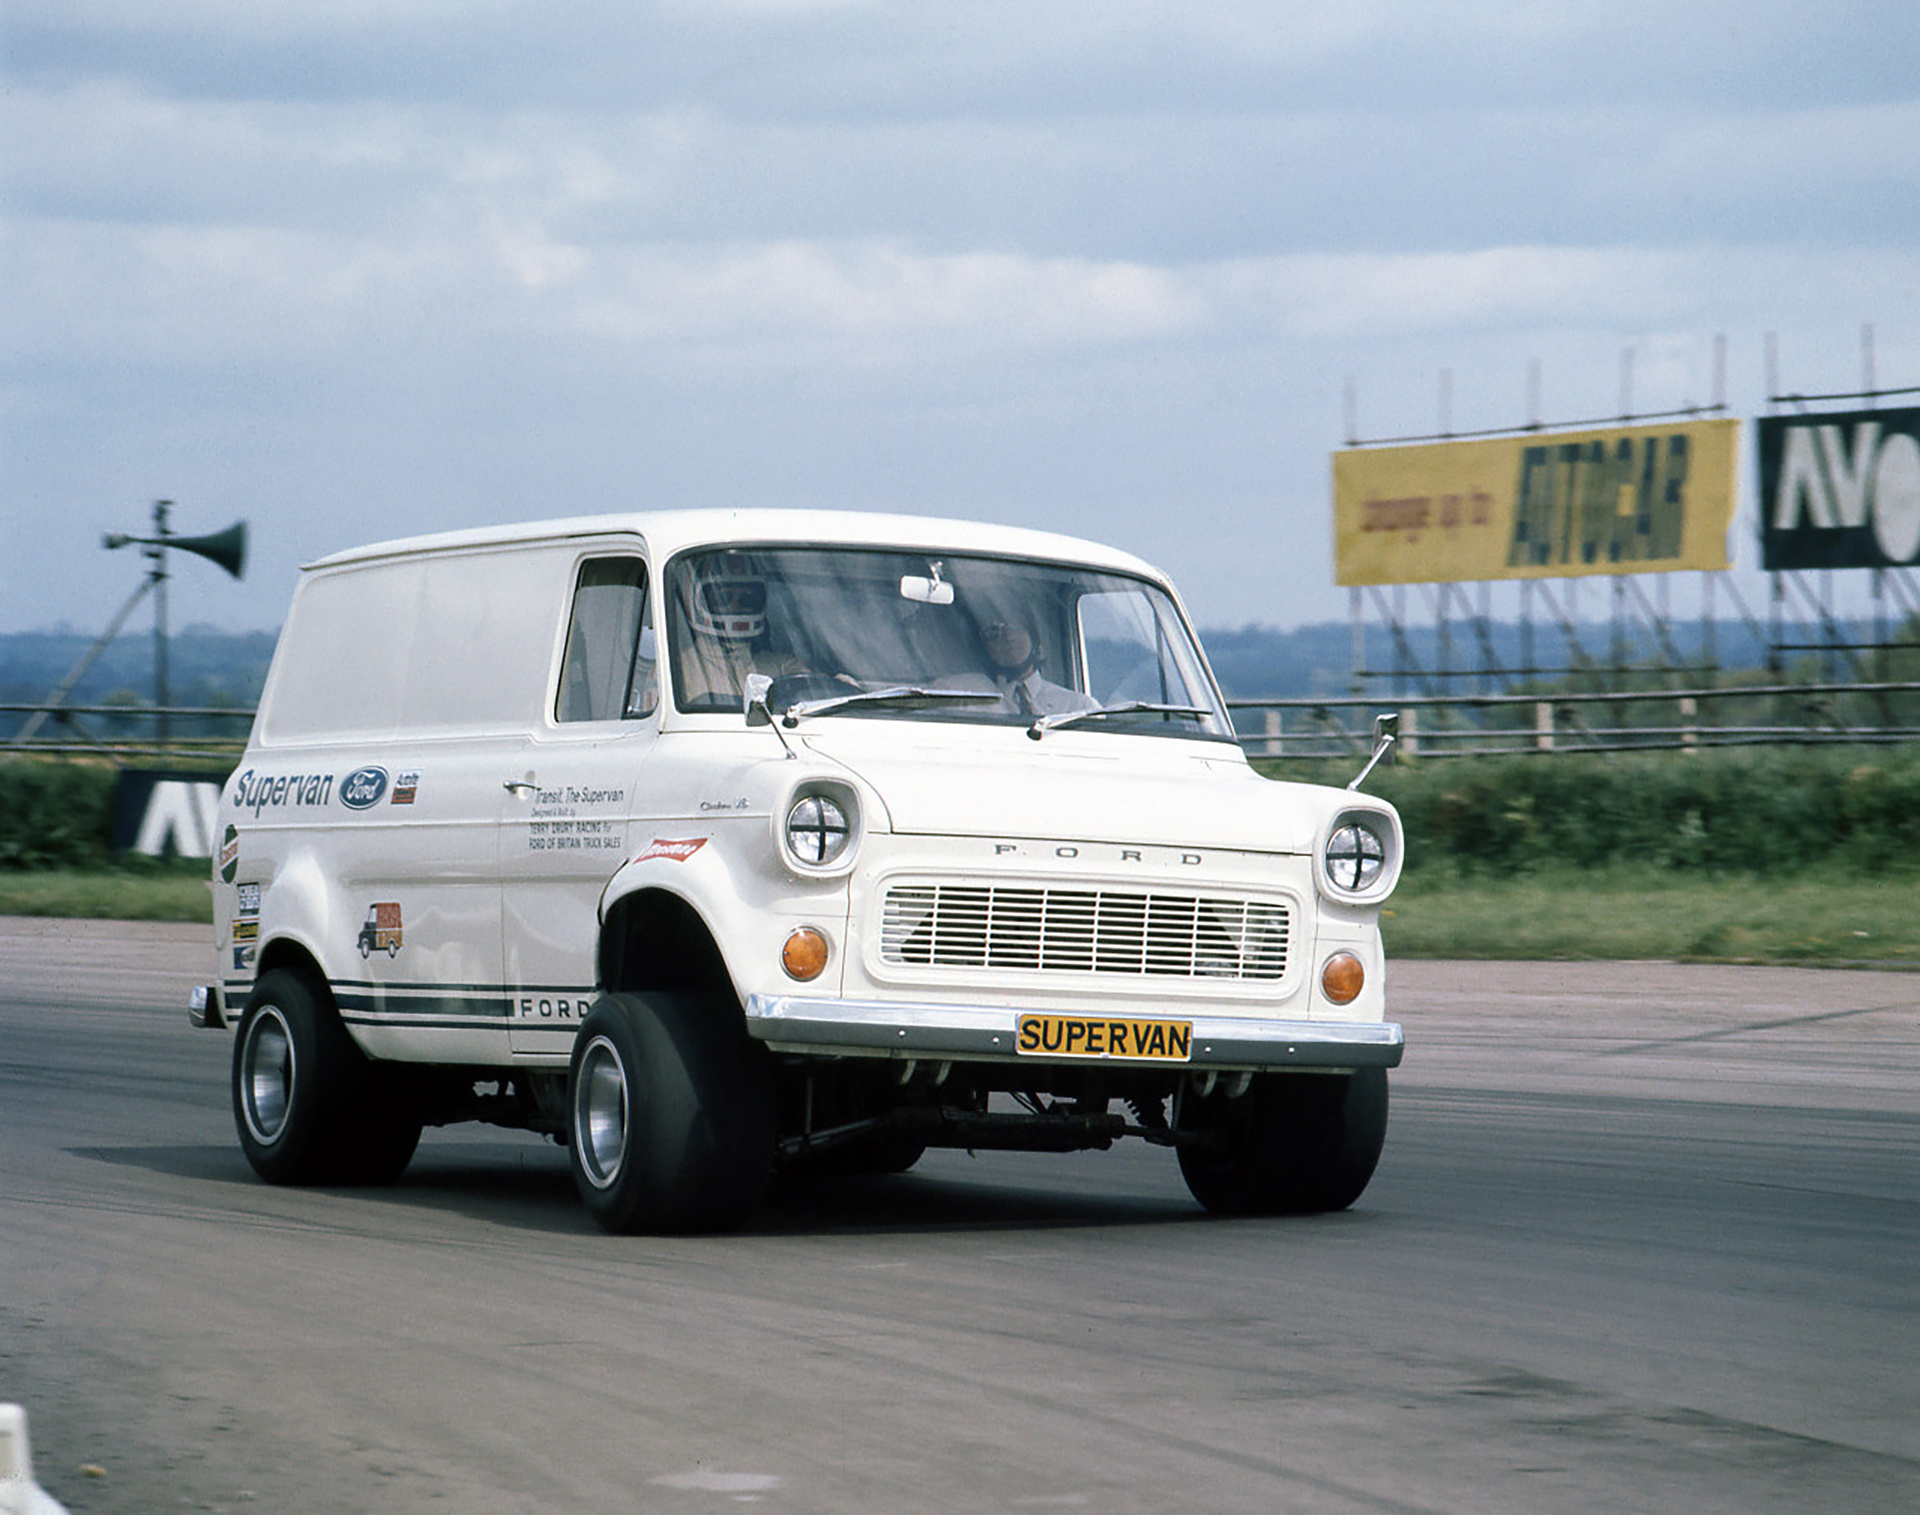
754,705
754,700
1386,731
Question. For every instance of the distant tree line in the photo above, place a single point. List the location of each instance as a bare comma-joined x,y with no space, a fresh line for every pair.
206,667
217,668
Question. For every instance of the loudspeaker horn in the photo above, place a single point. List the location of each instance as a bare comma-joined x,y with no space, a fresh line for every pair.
227,548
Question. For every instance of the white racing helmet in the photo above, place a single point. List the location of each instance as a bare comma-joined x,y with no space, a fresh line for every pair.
728,605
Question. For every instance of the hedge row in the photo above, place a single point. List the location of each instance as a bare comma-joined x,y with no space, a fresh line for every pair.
1741,811
55,814
1746,811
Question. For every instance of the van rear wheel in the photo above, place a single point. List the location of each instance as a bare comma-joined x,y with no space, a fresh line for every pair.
670,1114
309,1107
1293,1144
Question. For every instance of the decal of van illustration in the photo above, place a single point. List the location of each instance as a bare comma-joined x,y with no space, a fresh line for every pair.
381,930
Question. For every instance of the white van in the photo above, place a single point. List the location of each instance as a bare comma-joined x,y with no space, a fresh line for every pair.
715,843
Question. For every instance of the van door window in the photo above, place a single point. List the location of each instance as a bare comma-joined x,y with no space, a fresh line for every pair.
608,671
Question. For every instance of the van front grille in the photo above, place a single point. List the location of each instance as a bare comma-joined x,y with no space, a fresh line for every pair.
944,925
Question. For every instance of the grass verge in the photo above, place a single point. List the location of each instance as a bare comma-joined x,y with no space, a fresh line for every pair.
1829,915
169,891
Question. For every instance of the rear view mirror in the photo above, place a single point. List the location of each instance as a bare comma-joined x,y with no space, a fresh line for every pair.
931,589
926,591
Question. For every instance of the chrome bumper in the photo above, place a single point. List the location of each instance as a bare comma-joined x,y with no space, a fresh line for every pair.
205,1007
887,1028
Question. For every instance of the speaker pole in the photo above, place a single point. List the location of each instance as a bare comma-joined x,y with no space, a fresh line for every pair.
157,553
79,670
227,548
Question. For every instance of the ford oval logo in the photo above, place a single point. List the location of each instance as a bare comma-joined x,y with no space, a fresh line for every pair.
361,789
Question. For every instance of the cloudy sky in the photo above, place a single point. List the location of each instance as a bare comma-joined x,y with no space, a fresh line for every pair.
375,267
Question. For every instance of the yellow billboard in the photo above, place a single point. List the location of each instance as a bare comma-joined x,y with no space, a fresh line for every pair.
1628,499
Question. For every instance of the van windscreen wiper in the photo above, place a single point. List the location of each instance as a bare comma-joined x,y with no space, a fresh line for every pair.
1043,724
894,694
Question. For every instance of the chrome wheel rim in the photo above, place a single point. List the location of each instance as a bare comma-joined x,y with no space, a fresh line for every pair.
600,1106
267,1072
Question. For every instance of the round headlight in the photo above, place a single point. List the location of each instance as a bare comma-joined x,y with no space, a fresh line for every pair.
817,830
1355,856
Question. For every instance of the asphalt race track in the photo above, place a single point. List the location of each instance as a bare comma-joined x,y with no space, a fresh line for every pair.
1645,1237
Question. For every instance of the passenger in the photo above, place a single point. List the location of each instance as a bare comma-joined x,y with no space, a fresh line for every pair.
1015,653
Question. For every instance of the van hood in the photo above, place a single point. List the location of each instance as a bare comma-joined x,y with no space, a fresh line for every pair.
1071,787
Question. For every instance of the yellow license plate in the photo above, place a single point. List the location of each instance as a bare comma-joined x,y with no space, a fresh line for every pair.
1087,1036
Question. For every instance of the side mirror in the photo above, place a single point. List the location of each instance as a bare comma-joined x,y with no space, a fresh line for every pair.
1386,731
753,702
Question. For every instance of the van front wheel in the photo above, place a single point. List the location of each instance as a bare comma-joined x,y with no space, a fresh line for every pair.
1294,1143
671,1116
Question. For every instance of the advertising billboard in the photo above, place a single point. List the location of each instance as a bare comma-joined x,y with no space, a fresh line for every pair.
1840,490
1626,499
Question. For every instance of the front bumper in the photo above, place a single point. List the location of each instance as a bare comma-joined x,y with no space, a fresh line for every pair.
975,1033
206,1007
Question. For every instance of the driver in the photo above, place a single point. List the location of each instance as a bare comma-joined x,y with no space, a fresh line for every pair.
727,614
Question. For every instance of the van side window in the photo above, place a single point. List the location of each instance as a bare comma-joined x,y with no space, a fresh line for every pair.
608,672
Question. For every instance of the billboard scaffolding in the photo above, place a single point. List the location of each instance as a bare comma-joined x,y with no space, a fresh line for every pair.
1447,519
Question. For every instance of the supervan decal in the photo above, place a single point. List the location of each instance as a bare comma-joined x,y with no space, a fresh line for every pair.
362,789
267,791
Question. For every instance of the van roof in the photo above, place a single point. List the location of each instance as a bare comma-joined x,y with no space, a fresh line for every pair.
671,531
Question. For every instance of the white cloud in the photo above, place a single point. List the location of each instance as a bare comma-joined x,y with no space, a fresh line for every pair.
1099,264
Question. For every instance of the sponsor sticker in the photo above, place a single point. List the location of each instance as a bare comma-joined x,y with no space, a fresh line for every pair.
677,852
405,785
249,899
230,860
246,931
363,788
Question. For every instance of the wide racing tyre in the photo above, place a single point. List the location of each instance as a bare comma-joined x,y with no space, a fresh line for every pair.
309,1107
670,1114
1294,1143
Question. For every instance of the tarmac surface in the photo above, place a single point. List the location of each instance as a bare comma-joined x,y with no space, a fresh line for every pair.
1645,1237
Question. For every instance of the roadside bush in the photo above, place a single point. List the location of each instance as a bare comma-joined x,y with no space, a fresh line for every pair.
54,814
1750,810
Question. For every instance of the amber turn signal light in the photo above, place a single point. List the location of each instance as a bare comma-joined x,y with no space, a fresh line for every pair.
805,954
1342,978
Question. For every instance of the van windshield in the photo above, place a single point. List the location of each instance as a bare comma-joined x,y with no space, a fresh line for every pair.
1011,642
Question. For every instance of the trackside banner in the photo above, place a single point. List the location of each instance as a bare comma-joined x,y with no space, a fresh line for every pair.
1840,490
1629,499
159,812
